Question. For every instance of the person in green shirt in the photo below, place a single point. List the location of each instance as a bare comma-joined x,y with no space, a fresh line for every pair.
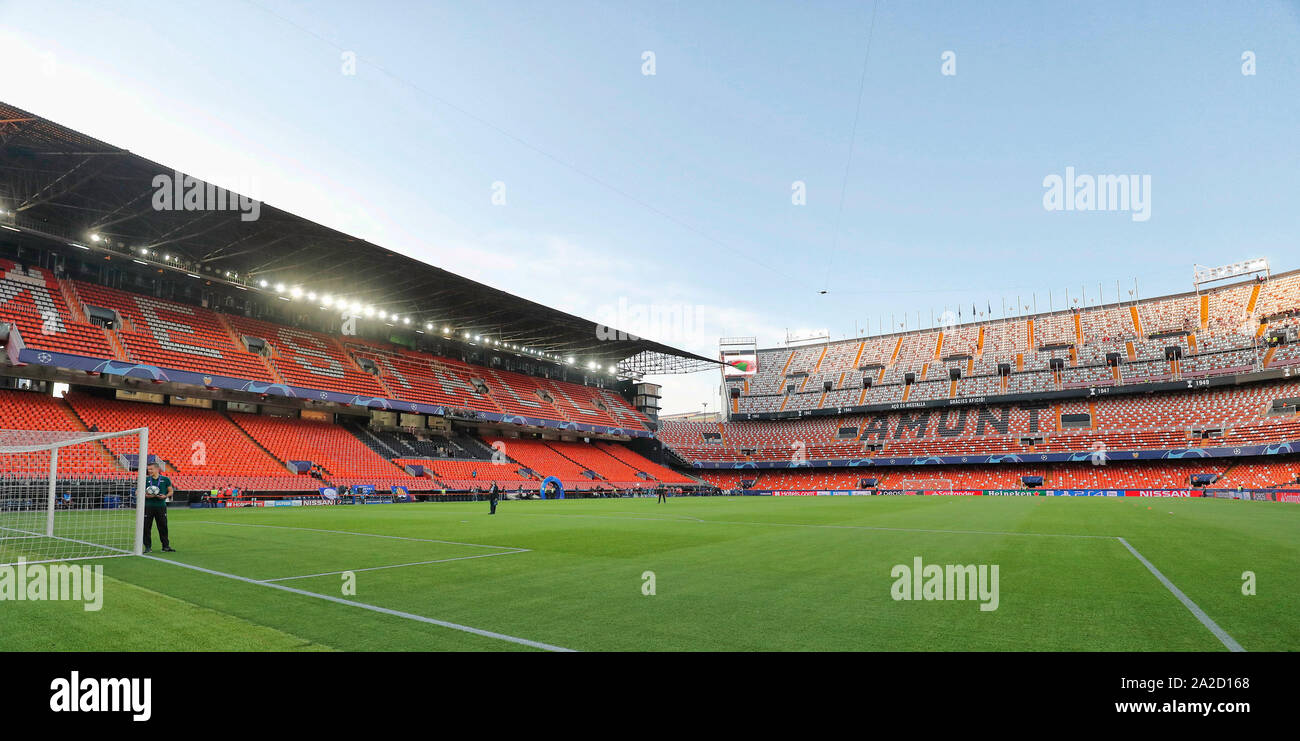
157,490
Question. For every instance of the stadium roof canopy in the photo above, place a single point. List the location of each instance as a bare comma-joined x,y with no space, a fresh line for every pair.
61,184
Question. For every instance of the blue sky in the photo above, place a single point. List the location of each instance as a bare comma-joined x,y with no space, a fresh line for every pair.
671,194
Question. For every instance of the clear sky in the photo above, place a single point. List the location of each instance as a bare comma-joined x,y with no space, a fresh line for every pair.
671,195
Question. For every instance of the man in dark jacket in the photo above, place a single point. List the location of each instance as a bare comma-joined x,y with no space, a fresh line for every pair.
493,495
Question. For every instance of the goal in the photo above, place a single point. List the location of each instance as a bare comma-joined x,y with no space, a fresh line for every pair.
66,496
940,485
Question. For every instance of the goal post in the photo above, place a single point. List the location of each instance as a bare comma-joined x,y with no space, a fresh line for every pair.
935,484
67,496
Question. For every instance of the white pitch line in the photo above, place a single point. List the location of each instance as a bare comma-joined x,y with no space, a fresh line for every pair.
400,565
1195,609
366,535
372,608
910,529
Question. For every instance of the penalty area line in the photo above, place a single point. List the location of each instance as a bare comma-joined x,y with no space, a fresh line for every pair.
372,608
1195,609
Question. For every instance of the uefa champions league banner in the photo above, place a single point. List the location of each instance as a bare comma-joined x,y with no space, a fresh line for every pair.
1245,494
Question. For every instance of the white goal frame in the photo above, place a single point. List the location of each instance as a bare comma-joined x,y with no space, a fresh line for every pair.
53,447
925,484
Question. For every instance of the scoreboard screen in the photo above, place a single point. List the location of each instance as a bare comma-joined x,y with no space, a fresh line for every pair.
739,365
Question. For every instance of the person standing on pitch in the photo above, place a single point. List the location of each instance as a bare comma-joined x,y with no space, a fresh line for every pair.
493,495
157,490
663,494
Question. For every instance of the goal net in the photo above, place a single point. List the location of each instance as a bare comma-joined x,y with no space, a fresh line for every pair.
71,495
925,485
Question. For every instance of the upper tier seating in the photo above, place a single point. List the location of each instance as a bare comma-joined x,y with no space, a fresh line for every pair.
1217,331
310,359
174,335
32,300
418,377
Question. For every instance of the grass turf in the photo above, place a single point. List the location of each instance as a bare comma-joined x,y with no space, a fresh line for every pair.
731,574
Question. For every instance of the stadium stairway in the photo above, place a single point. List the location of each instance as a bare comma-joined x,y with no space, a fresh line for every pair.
271,371
254,440
374,442
469,447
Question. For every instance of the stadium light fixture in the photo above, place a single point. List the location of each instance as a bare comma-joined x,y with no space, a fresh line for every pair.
279,288
428,325
311,295
370,311
296,292
95,237
406,320
446,330
383,314
261,283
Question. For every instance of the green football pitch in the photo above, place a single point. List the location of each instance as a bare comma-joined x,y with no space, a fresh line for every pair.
726,574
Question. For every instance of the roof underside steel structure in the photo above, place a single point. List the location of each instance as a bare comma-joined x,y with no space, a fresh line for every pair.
59,184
